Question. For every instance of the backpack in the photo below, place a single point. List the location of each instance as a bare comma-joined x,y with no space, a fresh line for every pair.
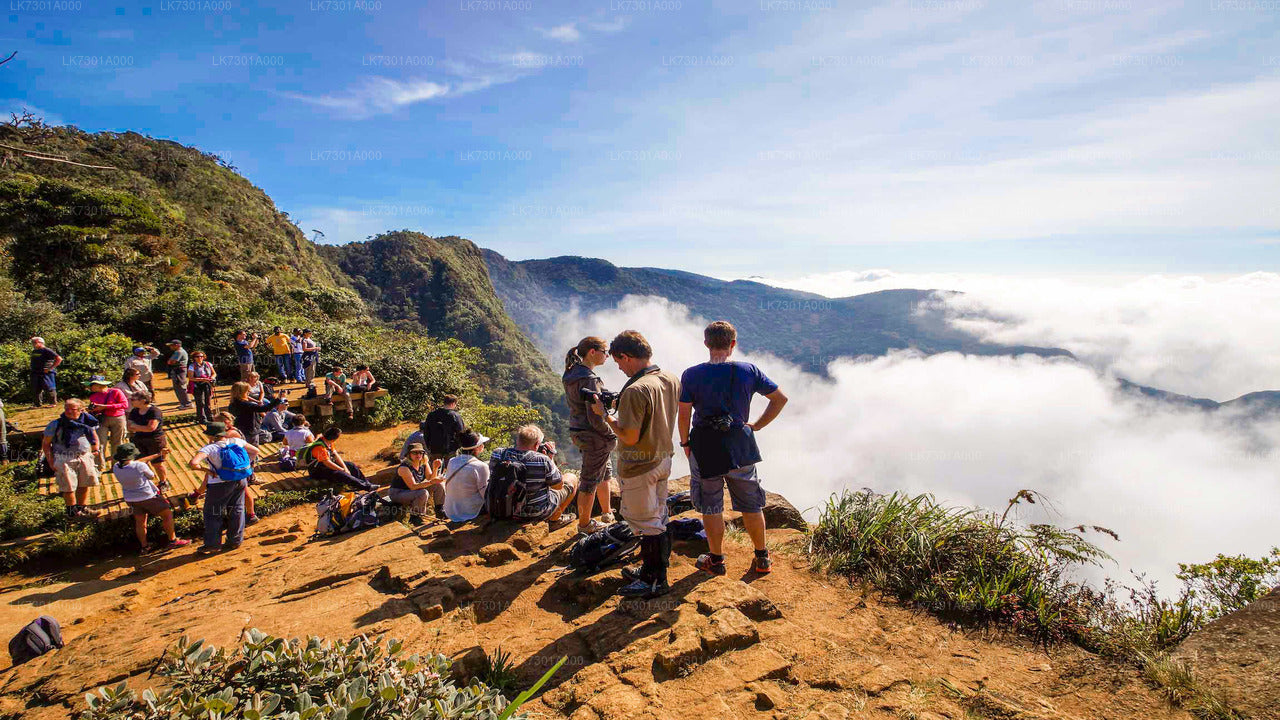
350,511
506,489
601,550
439,433
308,460
39,637
686,529
288,459
678,503
234,463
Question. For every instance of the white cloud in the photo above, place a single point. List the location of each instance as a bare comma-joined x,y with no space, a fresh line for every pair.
1176,486
567,32
1198,336
378,96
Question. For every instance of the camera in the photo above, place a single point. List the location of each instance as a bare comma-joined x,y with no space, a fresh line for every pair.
607,398
547,448
720,423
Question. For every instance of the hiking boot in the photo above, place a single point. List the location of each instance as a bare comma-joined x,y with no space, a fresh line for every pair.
644,589
251,520
209,549
608,518
761,565
632,574
707,564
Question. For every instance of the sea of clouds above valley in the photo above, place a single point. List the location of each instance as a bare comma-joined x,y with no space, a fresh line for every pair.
1178,486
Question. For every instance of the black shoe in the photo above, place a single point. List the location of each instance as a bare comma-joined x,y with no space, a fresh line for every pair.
631,574
644,589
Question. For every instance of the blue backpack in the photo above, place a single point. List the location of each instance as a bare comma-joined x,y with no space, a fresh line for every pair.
234,463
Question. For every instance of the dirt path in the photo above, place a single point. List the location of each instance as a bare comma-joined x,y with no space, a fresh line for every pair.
787,645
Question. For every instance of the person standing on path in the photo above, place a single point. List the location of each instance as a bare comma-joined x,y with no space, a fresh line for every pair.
202,378
70,445
146,431
295,354
244,353
644,425
715,403
310,357
177,363
227,463
109,405
141,360
44,371
282,350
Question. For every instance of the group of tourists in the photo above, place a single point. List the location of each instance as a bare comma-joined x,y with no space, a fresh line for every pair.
440,471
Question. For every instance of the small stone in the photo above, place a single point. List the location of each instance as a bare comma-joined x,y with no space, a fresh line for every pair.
728,629
295,528
131,592
758,663
880,679
498,554
768,696
833,711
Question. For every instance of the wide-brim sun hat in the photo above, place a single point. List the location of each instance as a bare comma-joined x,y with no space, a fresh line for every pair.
126,451
98,380
472,440
216,429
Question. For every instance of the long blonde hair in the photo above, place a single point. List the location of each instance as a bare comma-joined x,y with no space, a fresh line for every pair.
239,390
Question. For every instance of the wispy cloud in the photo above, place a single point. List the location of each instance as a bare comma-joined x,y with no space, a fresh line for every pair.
567,32
378,96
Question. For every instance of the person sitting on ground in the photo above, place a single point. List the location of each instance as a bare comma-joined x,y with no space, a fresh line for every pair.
546,492
335,383
244,346
282,351
296,439
227,463
131,383
177,362
441,428
278,420
247,413
362,380
44,371
146,431
229,422
70,446
143,496
202,379
109,405
466,479
324,463
141,360
589,432
720,391
412,482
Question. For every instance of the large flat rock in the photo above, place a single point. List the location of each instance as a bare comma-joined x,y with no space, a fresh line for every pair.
1239,654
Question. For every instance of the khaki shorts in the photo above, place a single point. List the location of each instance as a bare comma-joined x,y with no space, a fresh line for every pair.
644,500
73,473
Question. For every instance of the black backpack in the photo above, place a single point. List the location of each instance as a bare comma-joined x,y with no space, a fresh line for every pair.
506,489
439,432
601,550
42,635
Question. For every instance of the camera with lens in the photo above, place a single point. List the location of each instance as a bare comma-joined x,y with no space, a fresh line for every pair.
720,423
606,398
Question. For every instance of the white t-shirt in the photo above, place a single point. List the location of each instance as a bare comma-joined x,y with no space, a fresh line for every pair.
468,478
214,452
135,480
298,438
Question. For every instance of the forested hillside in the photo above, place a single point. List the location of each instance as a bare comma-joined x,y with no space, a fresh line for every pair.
121,239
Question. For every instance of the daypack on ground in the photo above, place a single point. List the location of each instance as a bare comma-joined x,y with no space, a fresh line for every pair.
506,489
234,463
678,503
37,638
603,549
350,511
288,459
686,529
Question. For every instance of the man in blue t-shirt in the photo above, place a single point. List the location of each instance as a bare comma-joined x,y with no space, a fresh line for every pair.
244,353
714,390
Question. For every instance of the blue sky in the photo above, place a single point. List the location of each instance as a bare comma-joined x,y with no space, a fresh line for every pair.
754,137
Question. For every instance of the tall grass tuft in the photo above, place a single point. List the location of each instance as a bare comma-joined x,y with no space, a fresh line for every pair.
964,564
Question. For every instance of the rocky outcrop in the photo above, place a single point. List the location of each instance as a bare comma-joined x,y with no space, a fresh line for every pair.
1239,656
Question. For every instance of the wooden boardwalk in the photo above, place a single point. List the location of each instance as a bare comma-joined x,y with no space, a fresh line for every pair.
185,438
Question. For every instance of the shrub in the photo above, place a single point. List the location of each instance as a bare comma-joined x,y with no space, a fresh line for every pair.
1229,583
269,677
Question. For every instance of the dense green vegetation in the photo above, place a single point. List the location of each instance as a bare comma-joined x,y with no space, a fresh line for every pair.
273,678
440,286
172,243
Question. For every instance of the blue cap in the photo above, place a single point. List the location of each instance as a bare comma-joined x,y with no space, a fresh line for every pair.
139,349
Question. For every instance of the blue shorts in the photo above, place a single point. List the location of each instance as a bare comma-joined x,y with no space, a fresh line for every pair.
745,492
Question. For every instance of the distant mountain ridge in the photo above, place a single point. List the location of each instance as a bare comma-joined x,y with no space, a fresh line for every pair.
807,329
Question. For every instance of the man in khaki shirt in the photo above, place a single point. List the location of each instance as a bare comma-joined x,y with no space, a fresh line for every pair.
644,425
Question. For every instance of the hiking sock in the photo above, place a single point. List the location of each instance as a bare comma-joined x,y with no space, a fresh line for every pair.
716,559
661,557
762,554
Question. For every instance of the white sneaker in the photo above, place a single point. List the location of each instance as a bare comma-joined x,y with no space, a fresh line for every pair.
591,528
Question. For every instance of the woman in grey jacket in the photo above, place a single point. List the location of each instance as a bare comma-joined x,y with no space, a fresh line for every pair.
589,432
